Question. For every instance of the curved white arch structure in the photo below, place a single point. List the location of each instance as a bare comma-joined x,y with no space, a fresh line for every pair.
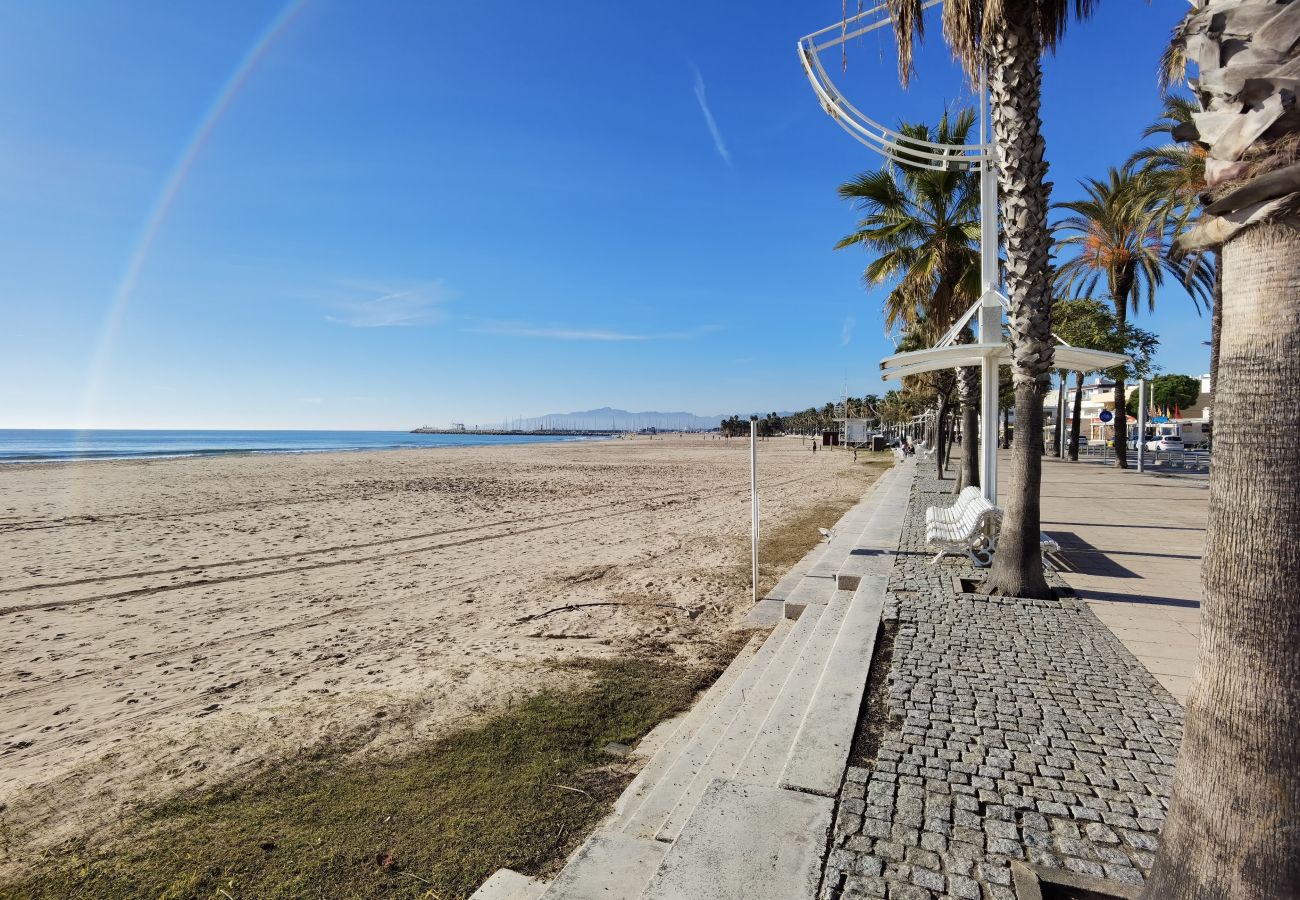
990,351
886,141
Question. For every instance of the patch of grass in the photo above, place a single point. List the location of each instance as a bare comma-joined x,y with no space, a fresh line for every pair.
520,790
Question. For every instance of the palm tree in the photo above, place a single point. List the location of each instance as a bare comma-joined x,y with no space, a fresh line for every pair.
1176,174
1086,322
1231,828
1008,38
1116,236
923,226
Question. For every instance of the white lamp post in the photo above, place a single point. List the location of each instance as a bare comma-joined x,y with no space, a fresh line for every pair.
753,504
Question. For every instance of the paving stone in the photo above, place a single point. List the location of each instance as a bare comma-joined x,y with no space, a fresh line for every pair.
928,879
1124,874
889,850
931,840
1139,841
963,887
908,892
1085,867
865,887
919,857
1100,834
866,865
999,829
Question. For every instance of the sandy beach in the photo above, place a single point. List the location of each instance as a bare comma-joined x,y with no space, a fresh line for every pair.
173,623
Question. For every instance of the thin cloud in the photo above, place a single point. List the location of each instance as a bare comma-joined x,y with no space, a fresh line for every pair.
568,333
394,308
846,331
719,144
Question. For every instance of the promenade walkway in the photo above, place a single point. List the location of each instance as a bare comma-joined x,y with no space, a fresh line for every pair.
1014,733
1132,544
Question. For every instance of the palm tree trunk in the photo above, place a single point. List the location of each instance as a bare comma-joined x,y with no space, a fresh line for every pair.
1120,297
940,460
1015,86
1231,830
1075,424
968,380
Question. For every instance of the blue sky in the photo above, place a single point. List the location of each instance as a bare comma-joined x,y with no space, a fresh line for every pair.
408,213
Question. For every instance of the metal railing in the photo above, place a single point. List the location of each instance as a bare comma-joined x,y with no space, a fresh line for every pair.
1186,460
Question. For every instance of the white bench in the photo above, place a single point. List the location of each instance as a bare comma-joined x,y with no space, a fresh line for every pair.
1048,546
971,526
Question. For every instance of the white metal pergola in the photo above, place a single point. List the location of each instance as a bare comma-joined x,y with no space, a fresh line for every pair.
990,350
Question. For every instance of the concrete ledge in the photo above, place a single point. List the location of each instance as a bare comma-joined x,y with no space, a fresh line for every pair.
764,614
820,750
746,842
609,866
507,884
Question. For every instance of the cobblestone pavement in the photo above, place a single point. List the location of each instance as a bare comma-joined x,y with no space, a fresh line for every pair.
1019,730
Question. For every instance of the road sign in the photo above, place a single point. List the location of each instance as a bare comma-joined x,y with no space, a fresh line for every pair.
1105,415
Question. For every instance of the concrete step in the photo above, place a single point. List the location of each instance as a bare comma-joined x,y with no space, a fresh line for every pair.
507,884
609,866
820,750
730,747
811,591
763,614
651,796
746,842
766,756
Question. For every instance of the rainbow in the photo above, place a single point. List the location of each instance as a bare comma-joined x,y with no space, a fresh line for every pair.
171,188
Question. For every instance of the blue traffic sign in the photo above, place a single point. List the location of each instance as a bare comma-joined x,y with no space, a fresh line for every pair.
1105,415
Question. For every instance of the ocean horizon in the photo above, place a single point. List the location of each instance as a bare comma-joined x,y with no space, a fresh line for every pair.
19,445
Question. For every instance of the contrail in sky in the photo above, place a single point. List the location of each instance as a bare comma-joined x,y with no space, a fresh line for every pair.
718,142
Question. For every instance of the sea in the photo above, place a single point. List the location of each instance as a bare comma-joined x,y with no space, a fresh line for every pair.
58,445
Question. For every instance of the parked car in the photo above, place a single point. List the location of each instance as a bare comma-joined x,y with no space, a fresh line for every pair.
1165,442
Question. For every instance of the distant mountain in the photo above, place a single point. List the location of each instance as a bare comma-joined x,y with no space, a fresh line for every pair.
608,418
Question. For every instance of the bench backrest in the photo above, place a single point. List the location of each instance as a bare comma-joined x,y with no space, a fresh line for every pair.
976,513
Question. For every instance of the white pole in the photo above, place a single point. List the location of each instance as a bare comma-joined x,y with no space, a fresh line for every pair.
1060,415
753,502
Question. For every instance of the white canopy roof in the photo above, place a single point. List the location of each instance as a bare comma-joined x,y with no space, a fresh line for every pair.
1073,359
